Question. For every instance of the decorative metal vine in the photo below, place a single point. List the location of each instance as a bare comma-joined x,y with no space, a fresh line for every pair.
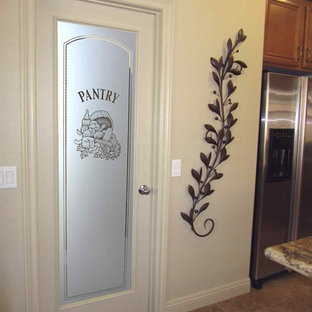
218,139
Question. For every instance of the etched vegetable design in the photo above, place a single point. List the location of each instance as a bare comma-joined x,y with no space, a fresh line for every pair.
98,138
217,138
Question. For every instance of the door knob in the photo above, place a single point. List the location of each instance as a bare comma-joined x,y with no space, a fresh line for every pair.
144,190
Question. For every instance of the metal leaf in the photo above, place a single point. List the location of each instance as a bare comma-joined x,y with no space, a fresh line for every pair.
210,140
221,61
240,34
221,134
207,188
222,154
215,63
227,136
192,212
209,193
204,159
229,119
186,218
242,64
195,175
209,157
229,140
216,78
235,72
217,176
210,128
230,62
233,122
231,88
218,104
229,45
203,208
214,109
233,107
191,191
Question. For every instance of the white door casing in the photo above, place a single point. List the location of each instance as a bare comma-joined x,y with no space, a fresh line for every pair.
37,284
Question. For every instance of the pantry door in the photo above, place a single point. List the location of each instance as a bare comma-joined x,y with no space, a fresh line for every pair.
97,161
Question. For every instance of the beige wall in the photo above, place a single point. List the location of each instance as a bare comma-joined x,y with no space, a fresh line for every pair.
201,31
12,297
194,264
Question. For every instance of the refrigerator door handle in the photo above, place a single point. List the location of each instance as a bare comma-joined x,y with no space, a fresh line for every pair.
298,161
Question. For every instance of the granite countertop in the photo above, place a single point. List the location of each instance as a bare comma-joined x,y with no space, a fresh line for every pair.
295,255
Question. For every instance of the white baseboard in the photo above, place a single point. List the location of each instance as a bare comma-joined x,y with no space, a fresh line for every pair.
208,296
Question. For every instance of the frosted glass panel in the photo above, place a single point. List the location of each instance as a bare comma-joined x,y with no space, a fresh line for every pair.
95,75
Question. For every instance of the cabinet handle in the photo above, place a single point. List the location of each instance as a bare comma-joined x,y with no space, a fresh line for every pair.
308,56
300,53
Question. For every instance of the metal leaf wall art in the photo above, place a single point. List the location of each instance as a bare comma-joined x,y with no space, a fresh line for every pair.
217,137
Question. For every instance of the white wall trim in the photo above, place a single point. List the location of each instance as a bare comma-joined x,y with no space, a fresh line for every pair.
163,10
29,174
162,163
209,296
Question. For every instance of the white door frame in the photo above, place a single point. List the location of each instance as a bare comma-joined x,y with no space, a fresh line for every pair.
163,12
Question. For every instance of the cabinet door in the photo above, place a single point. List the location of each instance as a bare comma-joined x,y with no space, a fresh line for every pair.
307,60
283,42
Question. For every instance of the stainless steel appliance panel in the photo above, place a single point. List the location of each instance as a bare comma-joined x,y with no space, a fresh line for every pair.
278,131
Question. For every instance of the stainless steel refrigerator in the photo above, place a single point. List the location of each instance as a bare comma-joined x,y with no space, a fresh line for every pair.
283,198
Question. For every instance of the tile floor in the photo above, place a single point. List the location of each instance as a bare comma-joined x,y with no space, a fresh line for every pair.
291,293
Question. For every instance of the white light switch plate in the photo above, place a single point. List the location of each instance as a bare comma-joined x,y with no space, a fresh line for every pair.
8,177
176,168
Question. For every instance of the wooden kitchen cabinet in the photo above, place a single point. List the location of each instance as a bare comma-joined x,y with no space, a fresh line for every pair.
288,34
307,57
